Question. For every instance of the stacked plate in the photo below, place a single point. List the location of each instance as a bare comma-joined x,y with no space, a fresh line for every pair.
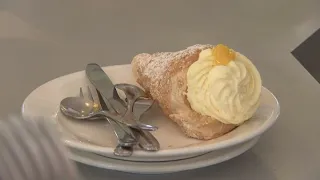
92,143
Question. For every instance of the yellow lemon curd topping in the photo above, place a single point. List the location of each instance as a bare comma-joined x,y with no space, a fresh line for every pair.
223,55
224,85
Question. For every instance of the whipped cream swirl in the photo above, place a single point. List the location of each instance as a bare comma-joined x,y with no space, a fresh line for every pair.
228,92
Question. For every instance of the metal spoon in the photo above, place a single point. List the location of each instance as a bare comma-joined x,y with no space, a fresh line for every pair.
147,141
143,104
133,93
80,108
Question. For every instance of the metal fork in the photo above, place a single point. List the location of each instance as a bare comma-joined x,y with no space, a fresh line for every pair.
125,140
147,141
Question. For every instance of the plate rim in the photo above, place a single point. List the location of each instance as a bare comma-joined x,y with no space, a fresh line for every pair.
103,163
167,152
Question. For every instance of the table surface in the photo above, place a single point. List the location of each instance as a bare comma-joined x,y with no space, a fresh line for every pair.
41,40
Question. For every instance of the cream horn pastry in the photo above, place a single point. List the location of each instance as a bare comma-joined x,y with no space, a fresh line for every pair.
206,90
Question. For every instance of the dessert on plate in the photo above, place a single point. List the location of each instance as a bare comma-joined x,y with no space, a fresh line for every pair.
207,90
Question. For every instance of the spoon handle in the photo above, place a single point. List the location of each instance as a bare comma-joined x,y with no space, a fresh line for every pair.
123,151
124,138
153,144
146,140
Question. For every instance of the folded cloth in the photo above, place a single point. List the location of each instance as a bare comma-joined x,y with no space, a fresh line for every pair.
30,149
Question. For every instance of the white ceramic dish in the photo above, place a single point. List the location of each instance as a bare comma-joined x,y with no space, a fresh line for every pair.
200,161
97,137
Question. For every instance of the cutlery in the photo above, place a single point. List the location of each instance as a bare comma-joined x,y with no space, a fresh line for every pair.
120,150
132,94
104,85
121,131
83,109
141,106
146,140
100,79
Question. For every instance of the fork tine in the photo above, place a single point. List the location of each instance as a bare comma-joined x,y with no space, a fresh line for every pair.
90,94
81,93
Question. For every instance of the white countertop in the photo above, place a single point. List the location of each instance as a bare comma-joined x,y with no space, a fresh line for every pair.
41,40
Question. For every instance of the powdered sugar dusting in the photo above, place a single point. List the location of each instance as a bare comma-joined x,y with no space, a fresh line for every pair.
156,64
144,59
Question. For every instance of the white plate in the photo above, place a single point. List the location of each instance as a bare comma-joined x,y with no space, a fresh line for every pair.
97,137
200,161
